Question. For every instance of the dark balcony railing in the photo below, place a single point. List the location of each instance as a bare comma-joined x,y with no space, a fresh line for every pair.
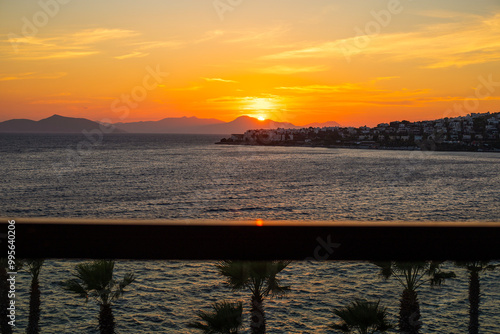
254,240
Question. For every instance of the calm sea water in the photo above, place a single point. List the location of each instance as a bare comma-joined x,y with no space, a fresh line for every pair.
185,176
182,176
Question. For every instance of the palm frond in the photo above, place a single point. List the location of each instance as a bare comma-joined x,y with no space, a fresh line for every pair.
118,292
260,277
95,280
237,273
362,315
225,318
34,267
274,287
385,268
439,277
73,285
477,266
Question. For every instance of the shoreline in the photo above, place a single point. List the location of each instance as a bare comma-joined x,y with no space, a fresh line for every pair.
357,147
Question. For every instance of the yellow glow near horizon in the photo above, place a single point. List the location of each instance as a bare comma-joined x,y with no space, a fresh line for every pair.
261,106
259,103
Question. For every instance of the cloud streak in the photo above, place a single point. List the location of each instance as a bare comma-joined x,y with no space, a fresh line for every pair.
437,46
219,80
132,55
284,69
32,75
77,44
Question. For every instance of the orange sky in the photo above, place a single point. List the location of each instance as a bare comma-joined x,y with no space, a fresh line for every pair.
299,61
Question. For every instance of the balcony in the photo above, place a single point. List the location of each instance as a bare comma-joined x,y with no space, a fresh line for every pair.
175,265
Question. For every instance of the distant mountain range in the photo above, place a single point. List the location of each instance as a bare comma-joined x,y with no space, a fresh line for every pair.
170,125
192,125
209,125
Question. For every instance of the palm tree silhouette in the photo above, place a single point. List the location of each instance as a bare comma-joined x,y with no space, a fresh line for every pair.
410,275
225,319
258,277
474,268
362,317
34,267
95,280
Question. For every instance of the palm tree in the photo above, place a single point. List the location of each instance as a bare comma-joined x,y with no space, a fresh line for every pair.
362,317
410,275
474,268
258,277
225,319
34,267
95,280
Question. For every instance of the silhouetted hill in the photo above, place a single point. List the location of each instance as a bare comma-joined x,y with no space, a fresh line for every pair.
242,124
168,125
52,124
18,125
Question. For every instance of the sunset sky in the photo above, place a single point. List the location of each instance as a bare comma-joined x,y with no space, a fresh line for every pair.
299,61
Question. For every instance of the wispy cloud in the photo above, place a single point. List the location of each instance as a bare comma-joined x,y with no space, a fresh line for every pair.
367,87
471,40
321,50
374,81
148,45
210,35
94,36
182,89
244,99
123,43
69,45
132,55
57,101
141,49
59,55
229,99
354,94
32,75
219,80
322,88
261,36
283,69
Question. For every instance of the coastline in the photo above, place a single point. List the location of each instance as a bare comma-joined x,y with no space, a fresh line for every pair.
437,148
476,132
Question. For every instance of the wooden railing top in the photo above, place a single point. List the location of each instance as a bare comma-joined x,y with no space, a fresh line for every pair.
248,222
253,239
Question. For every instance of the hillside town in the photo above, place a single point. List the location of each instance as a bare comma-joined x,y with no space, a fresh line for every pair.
474,132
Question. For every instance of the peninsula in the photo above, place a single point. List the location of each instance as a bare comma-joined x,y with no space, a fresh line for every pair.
474,132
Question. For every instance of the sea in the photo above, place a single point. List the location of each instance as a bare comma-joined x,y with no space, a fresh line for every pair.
166,176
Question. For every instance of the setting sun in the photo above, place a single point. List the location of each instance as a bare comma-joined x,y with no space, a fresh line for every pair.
261,118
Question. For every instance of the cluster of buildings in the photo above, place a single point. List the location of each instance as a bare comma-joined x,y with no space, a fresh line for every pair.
472,132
